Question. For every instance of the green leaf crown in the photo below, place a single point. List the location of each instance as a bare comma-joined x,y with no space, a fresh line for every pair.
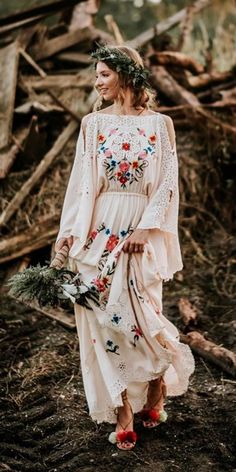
123,64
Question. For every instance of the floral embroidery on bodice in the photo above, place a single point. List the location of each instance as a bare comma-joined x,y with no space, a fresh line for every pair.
125,152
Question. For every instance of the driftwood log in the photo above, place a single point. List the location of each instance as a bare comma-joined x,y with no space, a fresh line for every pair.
9,58
218,355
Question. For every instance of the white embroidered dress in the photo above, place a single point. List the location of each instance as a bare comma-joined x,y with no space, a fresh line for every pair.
125,176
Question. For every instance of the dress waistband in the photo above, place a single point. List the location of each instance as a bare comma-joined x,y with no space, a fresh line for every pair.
114,192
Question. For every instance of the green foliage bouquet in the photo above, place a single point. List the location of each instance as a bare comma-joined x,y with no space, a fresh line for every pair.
48,285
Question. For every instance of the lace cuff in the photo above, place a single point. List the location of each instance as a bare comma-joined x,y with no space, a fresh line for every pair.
162,209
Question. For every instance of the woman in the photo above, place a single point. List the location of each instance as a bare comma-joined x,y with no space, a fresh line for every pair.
119,219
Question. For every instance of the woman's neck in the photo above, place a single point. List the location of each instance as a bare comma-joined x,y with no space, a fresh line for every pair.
127,108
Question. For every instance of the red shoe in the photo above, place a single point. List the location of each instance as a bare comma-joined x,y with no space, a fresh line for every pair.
152,417
125,439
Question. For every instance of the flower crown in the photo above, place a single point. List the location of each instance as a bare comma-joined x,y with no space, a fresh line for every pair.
121,62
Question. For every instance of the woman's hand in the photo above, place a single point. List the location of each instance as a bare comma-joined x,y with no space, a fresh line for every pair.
136,242
60,243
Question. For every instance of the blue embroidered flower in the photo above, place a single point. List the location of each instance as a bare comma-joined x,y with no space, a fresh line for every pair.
112,347
123,233
108,231
116,319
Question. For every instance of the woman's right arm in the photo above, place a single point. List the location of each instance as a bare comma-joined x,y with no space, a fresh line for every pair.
62,241
72,196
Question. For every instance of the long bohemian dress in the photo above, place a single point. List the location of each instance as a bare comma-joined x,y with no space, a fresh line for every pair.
125,176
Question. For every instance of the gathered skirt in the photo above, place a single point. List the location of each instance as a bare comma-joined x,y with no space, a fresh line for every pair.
126,340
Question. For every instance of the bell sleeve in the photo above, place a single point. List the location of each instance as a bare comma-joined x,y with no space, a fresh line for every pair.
162,209
72,197
80,193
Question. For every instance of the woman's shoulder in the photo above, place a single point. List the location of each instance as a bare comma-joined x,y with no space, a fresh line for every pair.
168,120
86,118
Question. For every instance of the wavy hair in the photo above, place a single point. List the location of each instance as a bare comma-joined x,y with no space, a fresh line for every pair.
142,96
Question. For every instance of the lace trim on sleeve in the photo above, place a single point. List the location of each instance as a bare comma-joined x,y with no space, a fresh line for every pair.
162,210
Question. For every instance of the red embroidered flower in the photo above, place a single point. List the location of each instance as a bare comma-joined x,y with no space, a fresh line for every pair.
112,242
135,164
124,166
93,234
101,138
138,331
119,174
100,285
126,146
153,138
123,180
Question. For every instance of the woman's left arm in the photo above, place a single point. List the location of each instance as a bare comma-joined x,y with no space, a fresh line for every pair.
162,210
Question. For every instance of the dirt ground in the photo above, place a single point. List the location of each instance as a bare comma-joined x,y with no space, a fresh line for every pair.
44,423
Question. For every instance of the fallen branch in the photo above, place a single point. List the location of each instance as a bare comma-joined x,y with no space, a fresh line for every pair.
206,79
166,25
178,59
164,82
51,93
222,357
9,58
39,235
8,156
38,173
49,47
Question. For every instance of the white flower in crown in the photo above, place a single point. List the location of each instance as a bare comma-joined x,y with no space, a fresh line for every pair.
112,437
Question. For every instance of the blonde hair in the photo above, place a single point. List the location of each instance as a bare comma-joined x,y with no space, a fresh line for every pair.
141,97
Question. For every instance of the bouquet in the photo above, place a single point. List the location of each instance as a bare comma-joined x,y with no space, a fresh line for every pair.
48,285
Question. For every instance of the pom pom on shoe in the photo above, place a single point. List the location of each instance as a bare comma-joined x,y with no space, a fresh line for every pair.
154,415
112,437
163,416
131,436
122,436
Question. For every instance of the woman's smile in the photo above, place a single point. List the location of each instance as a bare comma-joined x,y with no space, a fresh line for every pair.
107,82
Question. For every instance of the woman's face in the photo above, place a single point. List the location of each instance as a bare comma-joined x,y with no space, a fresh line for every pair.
107,81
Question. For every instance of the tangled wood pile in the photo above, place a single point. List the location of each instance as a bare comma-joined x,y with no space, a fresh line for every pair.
47,87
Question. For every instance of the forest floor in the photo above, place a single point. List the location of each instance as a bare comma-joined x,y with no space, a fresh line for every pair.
44,423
